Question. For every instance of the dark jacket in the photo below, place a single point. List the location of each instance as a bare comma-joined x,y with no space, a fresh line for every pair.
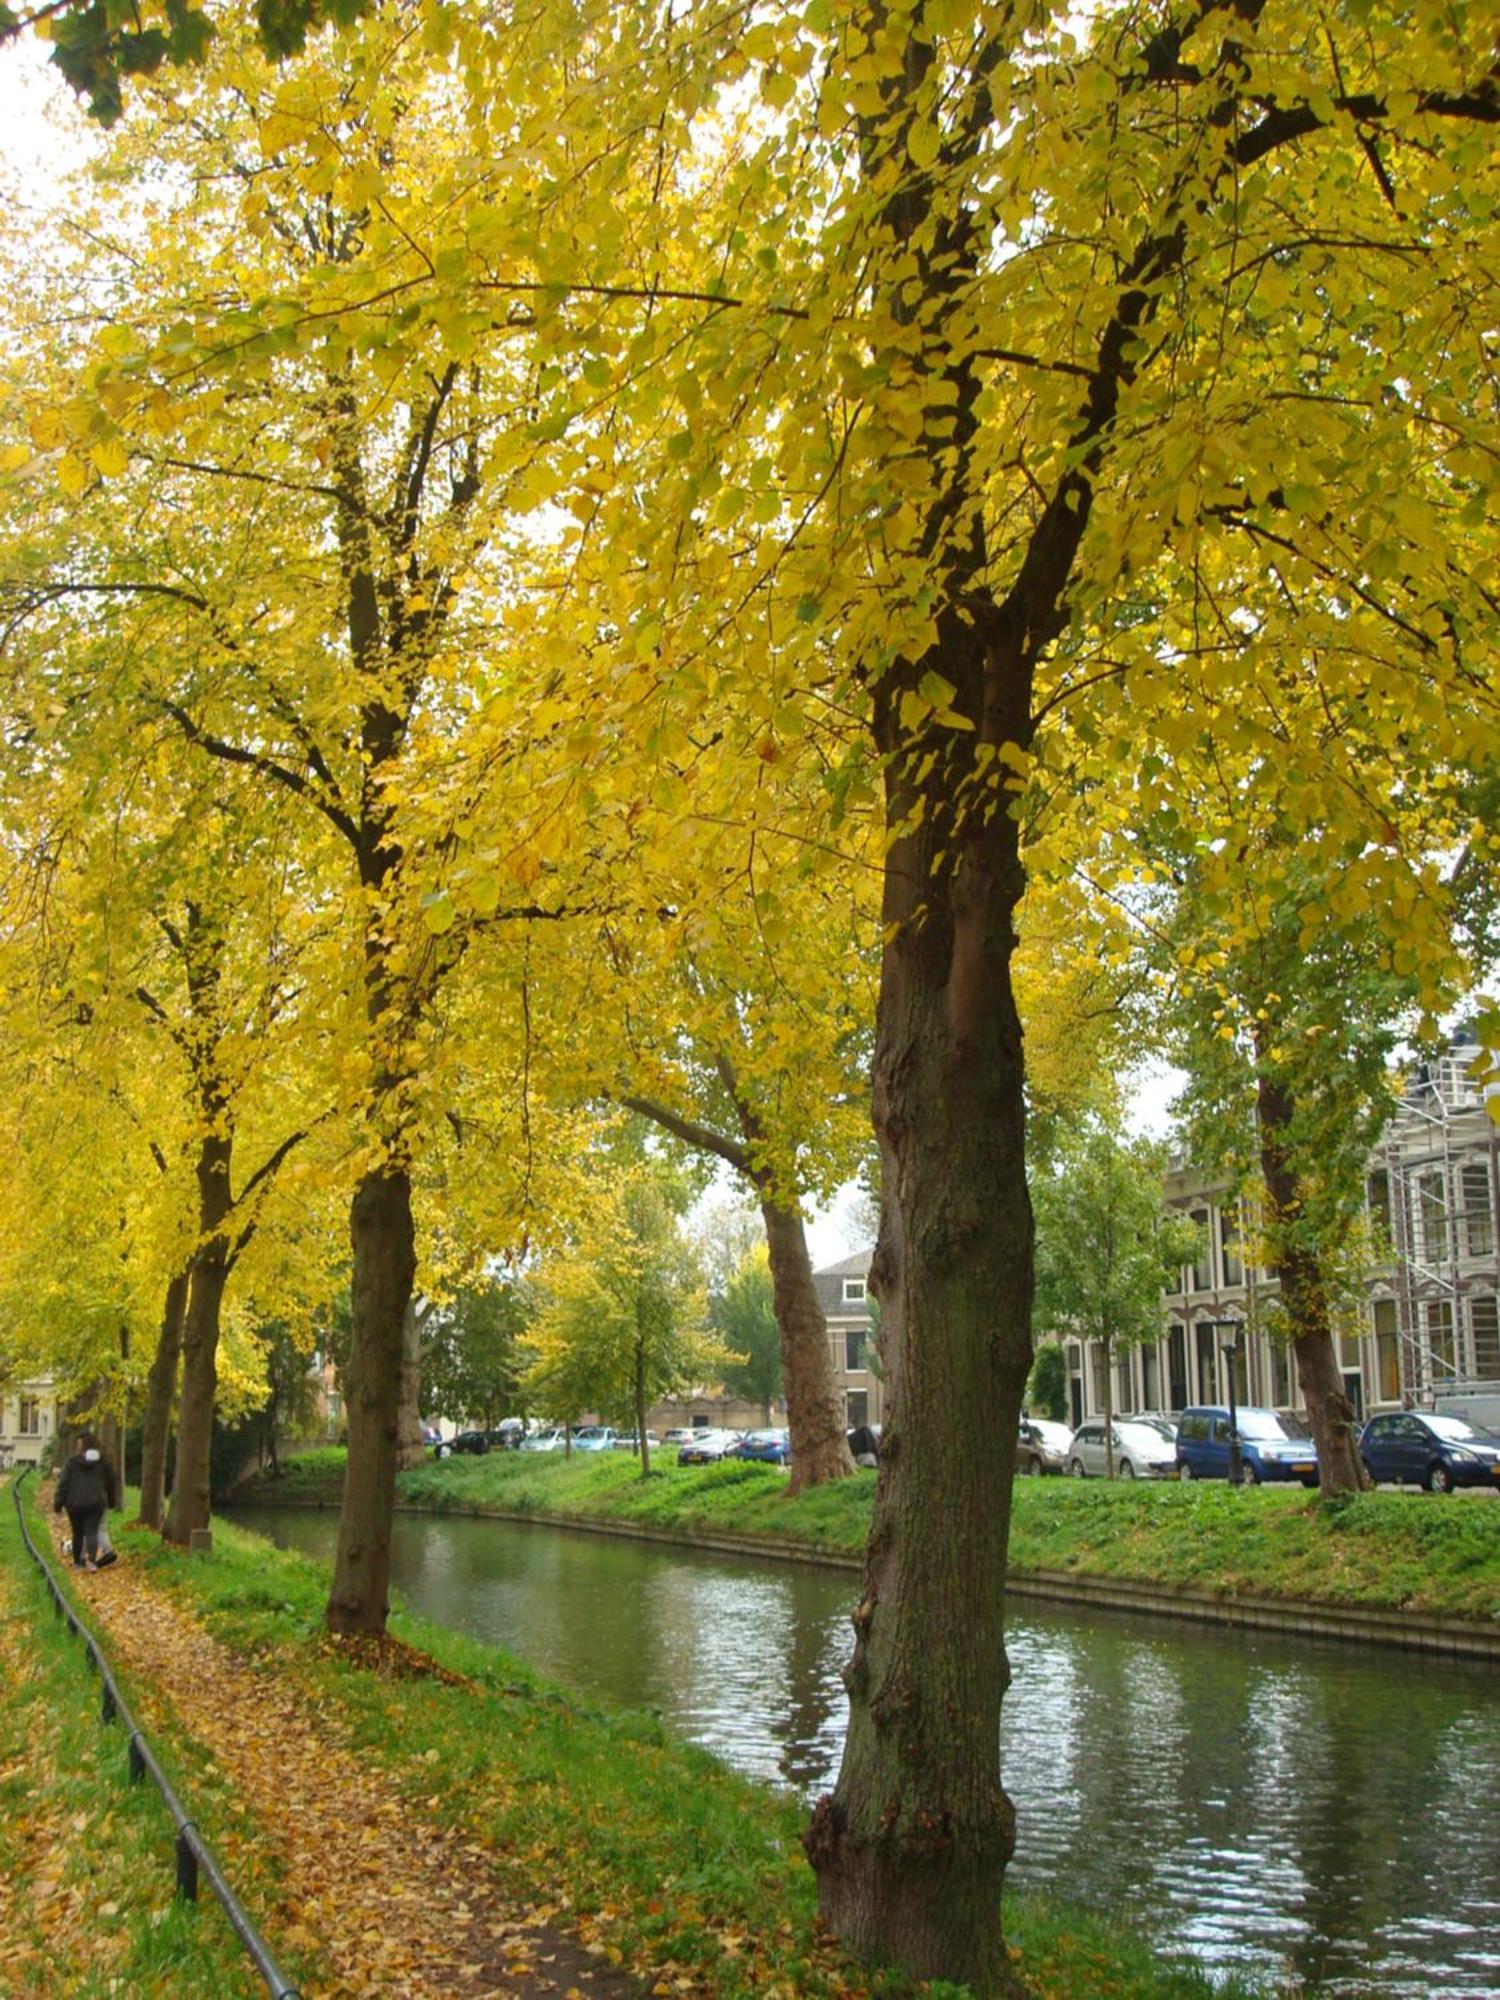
86,1481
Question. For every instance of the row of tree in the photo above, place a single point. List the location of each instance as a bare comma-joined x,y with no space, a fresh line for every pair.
670,558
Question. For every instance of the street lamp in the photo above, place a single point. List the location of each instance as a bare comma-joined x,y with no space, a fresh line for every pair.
1229,1347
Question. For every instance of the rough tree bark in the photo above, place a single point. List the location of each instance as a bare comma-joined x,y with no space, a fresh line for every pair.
1304,1297
814,1406
189,1507
410,1450
161,1387
385,1265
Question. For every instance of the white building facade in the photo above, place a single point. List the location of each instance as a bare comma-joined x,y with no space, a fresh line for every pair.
1429,1328
28,1421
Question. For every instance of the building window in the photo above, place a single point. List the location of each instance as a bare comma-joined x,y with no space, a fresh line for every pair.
854,1291
30,1425
1150,1378
1281,1377
1177,1375
1484,1327
1432,1206
1208,1374
1378,1202
1202,1276
1478,1216
1437,1317
1234,1262
857,1407
854,1349
1387,1351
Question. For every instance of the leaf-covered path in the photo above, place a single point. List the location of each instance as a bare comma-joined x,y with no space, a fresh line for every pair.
379,1898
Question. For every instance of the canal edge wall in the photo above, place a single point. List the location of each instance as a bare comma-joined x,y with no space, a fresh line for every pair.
1406,1631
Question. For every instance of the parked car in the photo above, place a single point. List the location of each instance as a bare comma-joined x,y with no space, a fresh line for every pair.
1420,1448
1140,1450
477,1442
864,1444
1043,1446
680,1434
707,1447
1159,1420
1272,1446
631,1440
543,1441
594,1437
508,1433
765,1447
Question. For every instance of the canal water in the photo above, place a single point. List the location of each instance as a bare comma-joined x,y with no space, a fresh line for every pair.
1314,1812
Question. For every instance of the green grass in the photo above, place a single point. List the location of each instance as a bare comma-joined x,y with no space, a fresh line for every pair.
1414,1552
648,1847
87,1856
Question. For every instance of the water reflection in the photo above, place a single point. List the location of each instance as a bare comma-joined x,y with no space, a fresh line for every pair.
1277,1808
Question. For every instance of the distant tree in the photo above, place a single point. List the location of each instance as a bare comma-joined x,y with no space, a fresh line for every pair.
725,1231
1105,1245
744,1316
1047,1390
471,1360
623,1317
291,1392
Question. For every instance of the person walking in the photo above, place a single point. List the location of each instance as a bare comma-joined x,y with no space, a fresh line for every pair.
86,1487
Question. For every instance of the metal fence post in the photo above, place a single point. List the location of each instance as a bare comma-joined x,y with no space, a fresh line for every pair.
187,1867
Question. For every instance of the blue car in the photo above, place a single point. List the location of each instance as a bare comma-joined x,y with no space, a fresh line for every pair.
595,1437
1415,1448
1271,1446
766,1447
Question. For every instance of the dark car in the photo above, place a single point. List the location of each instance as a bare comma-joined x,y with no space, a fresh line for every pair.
473,1441
765,1447
1414,1448
864,1444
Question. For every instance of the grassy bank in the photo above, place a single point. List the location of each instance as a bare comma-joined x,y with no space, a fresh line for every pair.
86,1866
653,1853
1404,1551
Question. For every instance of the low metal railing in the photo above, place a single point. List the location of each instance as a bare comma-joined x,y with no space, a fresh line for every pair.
194,1856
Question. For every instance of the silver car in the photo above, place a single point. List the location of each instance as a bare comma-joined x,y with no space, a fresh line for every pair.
1141,1452
1043,1447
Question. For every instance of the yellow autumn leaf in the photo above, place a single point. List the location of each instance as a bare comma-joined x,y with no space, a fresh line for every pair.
111,457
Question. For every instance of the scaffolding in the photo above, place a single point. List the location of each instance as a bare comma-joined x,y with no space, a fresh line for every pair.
1440,1155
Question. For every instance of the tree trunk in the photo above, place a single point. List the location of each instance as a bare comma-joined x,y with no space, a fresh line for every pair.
640,1408
200,1329
161,1386
910,1849
814,1407
1304,1297
1109,1409
410,1449
385,1269
189,1508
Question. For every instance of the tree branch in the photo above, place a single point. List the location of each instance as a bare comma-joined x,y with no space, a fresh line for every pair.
234,753
703,1137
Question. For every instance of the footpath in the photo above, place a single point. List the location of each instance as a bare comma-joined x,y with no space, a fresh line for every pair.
379,1900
